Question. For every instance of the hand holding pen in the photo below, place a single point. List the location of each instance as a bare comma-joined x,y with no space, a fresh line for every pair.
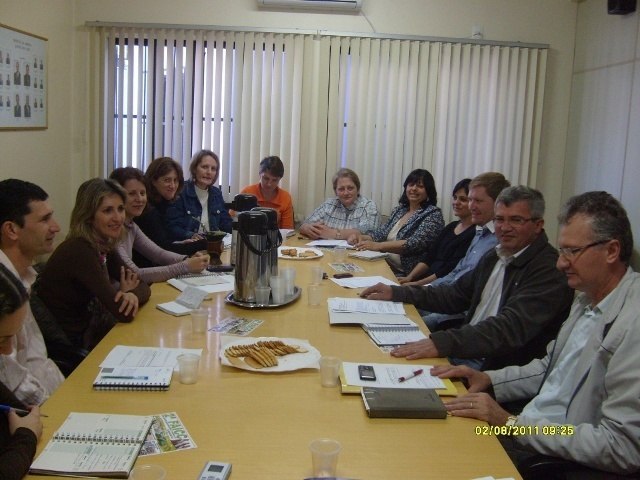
19,411
31,420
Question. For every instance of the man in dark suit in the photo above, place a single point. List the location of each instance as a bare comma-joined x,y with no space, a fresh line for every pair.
27,77
17,78
17,109
27,108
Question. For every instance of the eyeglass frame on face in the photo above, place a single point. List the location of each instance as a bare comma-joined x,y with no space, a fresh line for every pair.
573,253
514,221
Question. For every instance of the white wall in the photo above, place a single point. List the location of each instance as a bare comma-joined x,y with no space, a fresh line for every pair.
540,21
43,156
603,148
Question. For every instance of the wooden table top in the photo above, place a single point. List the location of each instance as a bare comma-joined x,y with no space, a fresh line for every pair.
263,423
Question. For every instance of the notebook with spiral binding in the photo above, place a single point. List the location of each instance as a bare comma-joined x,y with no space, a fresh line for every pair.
94,444
386,335
136,378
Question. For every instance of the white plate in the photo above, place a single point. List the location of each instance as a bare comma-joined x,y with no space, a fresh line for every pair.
286,363
299,250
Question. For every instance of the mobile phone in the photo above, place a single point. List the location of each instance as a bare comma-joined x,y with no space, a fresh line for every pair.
366,372
343,275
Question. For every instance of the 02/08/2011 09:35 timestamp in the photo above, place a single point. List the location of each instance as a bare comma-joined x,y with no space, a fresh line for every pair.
516,430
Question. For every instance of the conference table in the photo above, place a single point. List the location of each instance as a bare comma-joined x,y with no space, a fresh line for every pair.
262,423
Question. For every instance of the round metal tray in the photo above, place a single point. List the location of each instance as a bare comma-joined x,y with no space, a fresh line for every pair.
296,294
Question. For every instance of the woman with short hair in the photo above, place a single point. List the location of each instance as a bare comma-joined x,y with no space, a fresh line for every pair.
346,214
86,268
200,207
268,192
169,264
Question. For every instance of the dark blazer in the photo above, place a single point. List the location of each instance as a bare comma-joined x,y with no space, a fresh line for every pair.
535,301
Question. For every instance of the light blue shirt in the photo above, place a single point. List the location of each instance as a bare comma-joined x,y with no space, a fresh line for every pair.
550,405
484,241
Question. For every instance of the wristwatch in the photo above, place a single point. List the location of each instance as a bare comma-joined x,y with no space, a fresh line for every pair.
511,420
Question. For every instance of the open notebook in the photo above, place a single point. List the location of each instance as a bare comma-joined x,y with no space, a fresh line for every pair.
94,444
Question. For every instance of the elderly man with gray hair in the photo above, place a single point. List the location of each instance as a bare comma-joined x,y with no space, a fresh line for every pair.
586,393
515,298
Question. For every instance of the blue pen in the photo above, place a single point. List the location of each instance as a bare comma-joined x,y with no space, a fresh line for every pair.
124,377
7,408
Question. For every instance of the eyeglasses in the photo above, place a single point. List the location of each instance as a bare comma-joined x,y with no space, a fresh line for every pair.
513,221
572,253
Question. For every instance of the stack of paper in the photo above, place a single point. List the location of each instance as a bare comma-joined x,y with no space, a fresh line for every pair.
356,311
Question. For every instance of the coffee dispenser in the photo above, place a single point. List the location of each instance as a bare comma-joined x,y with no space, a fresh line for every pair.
242,202
275,237
252,255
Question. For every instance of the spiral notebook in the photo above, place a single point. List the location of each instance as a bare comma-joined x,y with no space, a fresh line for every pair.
94,444
137,378
385,335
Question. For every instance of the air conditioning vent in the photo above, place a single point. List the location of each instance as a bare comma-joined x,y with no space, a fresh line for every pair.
335,5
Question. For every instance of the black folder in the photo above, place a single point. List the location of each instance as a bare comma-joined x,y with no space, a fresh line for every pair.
402,403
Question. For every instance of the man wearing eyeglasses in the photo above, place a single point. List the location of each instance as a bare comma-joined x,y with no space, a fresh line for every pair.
586,392
515,298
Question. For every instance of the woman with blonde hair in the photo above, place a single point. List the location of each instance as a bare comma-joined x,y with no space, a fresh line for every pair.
85,284
346,214
200,207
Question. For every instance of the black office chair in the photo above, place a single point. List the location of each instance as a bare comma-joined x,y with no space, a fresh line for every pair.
553,468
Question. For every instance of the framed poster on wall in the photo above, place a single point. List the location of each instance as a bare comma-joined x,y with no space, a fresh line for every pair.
23,80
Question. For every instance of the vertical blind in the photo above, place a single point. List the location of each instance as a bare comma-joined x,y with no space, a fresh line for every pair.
382,107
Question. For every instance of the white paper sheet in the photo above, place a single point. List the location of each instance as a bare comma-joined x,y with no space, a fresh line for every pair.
388,375
128,356
362,282
342,304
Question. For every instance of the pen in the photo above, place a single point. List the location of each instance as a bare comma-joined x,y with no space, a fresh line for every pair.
7,408
124,377
415,373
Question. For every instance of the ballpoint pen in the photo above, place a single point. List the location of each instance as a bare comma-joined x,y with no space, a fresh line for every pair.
7,408
415,373
124,377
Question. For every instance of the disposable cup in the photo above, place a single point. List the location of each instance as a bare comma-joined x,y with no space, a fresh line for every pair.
148,472
316,275
262,295
289,274
329,370
314,295
339,254
278,289
324,457
199,319
188,368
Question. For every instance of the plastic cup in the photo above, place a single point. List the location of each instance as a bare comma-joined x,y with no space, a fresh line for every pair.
289,275
262,295
199,320
148,472
278,290
316,275
324,457
188,368
339,254
314,295
329,370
